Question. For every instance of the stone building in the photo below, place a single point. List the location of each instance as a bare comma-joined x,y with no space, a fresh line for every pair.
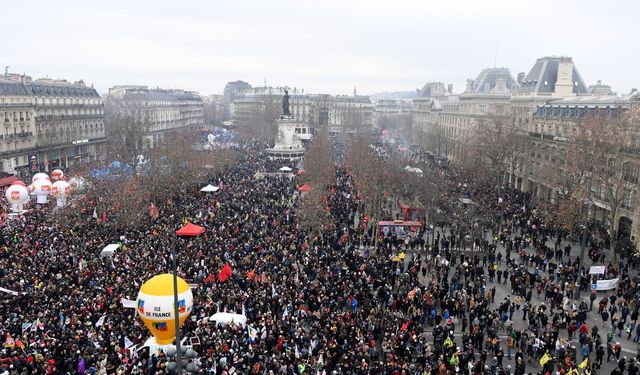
350,115
553,127
231,90
17,138
447,124
52,124
161,112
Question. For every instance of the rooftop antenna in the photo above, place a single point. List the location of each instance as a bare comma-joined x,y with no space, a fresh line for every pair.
265,82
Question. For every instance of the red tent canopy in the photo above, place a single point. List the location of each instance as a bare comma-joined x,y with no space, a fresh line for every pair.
190,230
305,188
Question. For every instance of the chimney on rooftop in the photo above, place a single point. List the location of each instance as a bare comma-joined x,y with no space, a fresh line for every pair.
450,89
521,78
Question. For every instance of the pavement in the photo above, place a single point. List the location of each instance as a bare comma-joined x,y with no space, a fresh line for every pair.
629,348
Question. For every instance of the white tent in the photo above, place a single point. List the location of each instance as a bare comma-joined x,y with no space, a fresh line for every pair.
154,347
226,318
210,189
109,250
413,170
285,169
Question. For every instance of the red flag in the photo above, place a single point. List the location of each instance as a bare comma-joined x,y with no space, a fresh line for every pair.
225,272
19,344
222,276
250,275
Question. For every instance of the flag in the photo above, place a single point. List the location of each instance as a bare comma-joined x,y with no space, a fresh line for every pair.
9,342
573,372
20,344
101,320
544,359
225,272
584,363
253,333
251,274
160,326
127,343
273,291
95,213
452,361
182,306
26,326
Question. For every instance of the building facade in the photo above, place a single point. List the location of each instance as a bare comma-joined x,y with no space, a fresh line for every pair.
52,124
447,124
350,115
553,129
160,112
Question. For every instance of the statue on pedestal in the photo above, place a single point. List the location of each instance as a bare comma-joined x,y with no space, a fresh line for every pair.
285,104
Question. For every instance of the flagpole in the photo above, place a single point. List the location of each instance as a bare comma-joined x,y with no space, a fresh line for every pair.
175,304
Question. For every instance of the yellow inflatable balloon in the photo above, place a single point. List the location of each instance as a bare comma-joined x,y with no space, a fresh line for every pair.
156,308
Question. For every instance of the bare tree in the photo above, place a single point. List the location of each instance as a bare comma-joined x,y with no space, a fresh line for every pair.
126,129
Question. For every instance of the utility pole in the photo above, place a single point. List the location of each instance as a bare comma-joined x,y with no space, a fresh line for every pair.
175,305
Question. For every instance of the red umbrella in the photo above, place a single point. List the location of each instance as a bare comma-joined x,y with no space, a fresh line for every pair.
190,230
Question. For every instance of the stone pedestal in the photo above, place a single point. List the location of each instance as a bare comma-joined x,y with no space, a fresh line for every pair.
288,145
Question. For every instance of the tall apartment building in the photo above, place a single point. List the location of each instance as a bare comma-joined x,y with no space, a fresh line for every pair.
231,90
553,127
161,112
449,123
350,115
49,124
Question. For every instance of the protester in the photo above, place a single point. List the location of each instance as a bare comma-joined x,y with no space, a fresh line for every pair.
314,304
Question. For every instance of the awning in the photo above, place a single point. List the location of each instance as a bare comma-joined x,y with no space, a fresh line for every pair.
285,169
190,230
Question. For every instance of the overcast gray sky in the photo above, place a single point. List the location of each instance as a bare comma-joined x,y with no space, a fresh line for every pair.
322,46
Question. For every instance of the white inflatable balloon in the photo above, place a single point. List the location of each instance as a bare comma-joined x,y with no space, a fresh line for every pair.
42,189
17,195
77,184
60,190
57,174
38,176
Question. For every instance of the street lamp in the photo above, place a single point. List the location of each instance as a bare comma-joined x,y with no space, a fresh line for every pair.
175,304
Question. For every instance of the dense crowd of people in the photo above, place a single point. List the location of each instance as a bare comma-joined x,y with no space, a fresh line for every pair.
330,304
